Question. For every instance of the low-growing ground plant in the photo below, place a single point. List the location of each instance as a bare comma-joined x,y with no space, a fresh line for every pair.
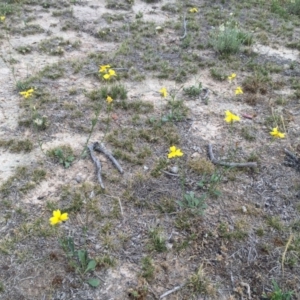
79,260
63,155
278,293
194,203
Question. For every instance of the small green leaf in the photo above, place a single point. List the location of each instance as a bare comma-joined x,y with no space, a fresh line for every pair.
91,266
70,158
94,282
71,245
82,255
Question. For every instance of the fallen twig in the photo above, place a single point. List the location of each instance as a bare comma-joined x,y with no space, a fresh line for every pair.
291,155
121,208
184,27
97,164
228,164
101,148
206,90
284,252
172,291
246,285
171,174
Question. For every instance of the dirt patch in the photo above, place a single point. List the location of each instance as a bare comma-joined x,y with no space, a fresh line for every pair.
177,225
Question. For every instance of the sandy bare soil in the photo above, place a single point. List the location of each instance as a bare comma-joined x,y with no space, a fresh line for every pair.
143,234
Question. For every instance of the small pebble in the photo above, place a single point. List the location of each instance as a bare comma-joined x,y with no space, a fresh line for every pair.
78,178
174,169
195,155
244,209
169,246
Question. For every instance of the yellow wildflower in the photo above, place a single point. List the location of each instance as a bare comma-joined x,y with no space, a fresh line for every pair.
193,10
277,134
58,217
110,73
239,90
28,93
103,69
174,152
2,18
109,99
231,77
163,92
230,117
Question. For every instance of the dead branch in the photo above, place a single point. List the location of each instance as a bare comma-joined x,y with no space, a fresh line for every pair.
284,252
291,155
171,174
100,148
97,164
121,208
172,291
206,90
246,285
184,28
228,164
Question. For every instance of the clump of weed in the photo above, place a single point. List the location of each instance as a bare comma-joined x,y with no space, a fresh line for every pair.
39,122
117,91
228,38
22,181
105,261
138,106
157,240
238,234
161,164
257,83
166,205
140,292
116,4
275,223
54,71
17,146
151,1
218,74
294,7
147,268
195,204
193,91
278,9
53,46
63,155
24,49
278,293
253,99
201,165
200,284
248,133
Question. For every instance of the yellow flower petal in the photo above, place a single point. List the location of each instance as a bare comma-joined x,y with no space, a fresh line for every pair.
239,90
277,134
174,152
109,99
106,76
2,18
54,220
230,117
112,72
58,217
104,68
193,10
64,217
163,92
